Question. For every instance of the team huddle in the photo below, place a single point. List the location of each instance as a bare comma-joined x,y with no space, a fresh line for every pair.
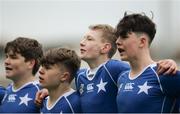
108,86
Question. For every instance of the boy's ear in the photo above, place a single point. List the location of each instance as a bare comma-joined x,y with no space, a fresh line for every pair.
143,41
65,76
106,48
31,63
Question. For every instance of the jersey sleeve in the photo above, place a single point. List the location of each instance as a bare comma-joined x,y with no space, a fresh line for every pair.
75,102
116,67
2,93
77,77
171,84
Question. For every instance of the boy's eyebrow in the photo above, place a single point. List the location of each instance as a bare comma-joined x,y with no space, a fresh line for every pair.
89,36
10,53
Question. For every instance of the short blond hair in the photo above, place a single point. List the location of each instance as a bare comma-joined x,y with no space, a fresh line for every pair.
108,33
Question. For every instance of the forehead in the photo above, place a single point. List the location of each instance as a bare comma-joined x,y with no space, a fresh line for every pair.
14,54
57,67
94,33
130,35
11,52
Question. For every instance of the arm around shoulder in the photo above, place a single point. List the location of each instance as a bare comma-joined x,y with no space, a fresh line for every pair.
171,84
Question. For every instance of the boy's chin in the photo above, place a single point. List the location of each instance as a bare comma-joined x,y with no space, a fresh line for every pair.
124,59
8,76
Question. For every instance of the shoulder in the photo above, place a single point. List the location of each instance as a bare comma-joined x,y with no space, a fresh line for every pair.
123,76
81,71
171,76
74,100
171,84
116,67
35,84
2,88
2,92
117,64
74,96
30,87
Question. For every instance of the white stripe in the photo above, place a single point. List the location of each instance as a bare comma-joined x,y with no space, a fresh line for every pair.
160,87
123,74
78,79
26,84
4,97
110,75
173,105
69,105
35,83
163,105
158,80
60,97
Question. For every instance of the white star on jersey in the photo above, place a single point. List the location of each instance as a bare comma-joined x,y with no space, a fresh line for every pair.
101,86
144,88
25,99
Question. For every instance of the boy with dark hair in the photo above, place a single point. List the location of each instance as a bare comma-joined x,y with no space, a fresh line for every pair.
141,89
21,64
59,66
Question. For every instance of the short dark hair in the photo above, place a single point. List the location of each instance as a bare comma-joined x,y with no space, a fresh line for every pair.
28,48
62,56
136,23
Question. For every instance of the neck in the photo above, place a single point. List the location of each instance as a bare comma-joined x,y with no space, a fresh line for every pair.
55,93
139,63
94,63
23,80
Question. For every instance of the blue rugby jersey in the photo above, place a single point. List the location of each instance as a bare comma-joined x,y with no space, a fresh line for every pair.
148,92
69,102
2,92
20,100
98,94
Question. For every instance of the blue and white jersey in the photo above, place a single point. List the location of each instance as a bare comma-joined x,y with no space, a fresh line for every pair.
177,106
67,103
2,92
20,100
148,92
98,93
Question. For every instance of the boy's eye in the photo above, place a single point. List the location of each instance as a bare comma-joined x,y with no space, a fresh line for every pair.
11,56
124,37
89,38
47,67
40,72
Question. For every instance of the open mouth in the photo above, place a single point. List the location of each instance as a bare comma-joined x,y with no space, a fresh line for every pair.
8,68
121,50
82,50
40,78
